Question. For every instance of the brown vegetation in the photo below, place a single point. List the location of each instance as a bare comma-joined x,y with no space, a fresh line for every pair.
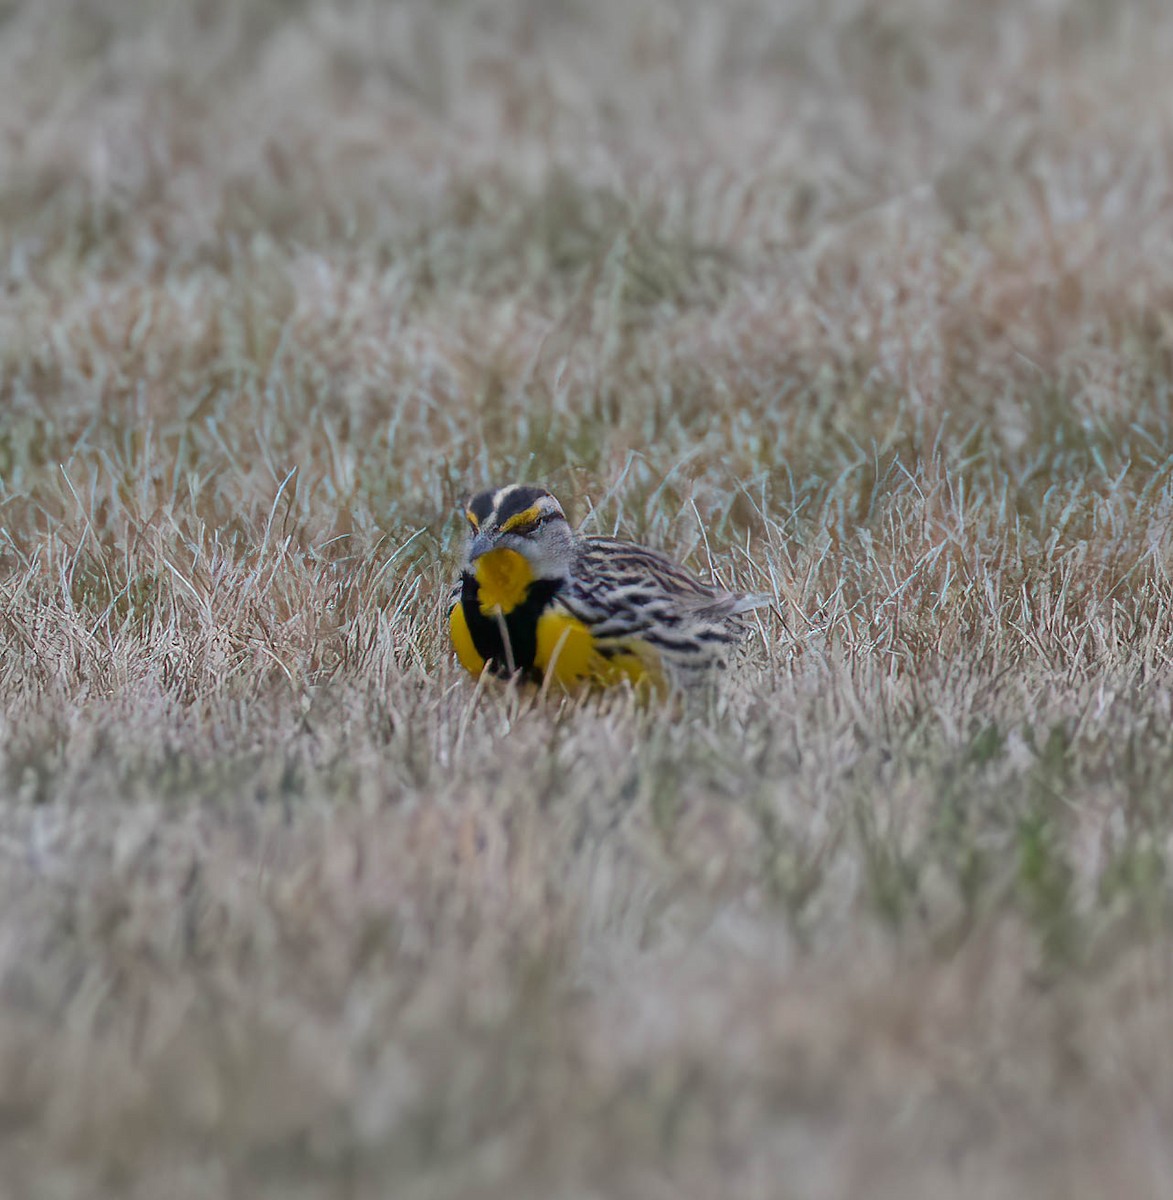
865,303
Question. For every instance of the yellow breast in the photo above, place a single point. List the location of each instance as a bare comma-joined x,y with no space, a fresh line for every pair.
567,652
462,643
503,578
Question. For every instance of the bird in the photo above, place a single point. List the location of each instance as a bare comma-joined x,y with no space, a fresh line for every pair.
539,601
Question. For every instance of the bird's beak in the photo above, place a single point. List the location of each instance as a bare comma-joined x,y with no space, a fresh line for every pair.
481,544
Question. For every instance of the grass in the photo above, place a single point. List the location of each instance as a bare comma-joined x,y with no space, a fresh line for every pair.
864,305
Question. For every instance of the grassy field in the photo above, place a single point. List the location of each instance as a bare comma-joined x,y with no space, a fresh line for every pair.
867,304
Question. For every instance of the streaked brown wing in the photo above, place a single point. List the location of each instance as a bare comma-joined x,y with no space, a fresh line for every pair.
624,590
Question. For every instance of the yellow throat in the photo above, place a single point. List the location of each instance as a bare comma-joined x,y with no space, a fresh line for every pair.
503,578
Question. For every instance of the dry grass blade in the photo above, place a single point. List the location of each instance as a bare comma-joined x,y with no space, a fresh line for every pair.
862,305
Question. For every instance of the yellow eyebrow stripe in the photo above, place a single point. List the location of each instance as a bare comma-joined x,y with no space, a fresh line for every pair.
473,520
528,517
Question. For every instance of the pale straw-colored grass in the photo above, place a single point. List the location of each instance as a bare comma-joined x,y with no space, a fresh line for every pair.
867,305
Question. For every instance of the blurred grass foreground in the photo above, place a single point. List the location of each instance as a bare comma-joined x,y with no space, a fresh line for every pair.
867,304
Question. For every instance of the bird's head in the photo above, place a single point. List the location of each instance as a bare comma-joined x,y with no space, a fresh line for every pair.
523,520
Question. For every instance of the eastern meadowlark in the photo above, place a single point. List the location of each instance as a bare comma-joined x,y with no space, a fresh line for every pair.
536,599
